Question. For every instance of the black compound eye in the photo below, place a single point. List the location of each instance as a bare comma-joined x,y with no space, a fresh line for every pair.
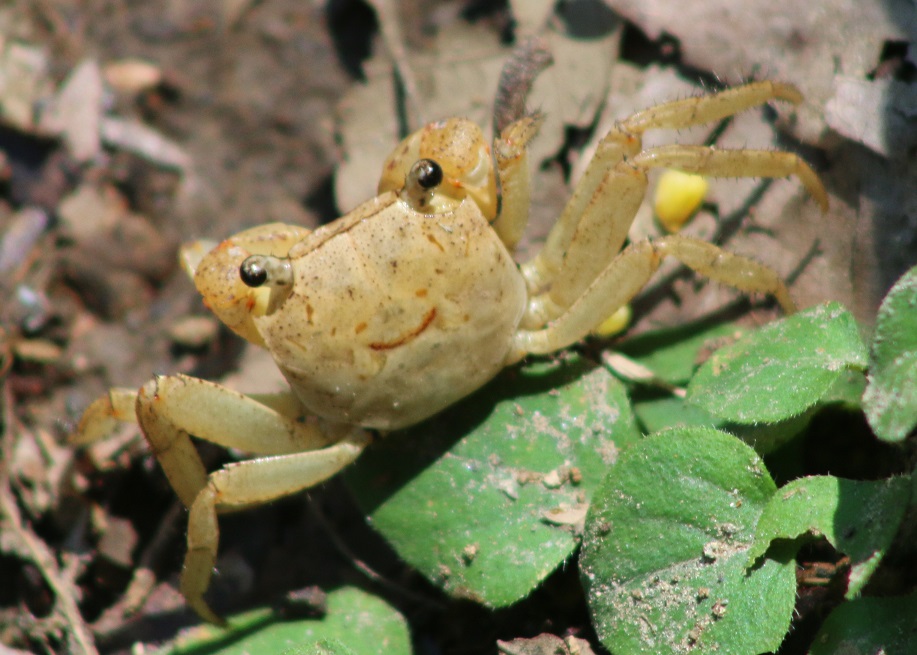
429,173
252,272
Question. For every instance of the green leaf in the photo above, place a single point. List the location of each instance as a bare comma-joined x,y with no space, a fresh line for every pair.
847,392
485,499
859,518
867,626
324,647
780,370
665,547
673,354
356,623
660,413
891,394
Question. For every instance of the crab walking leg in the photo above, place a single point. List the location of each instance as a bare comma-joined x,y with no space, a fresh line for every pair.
630,271
249,483
610,211
735,163
688,112
598,237
588,203
624,142
170,409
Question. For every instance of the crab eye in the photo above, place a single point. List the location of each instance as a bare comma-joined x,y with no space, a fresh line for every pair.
252,273
258,270
425,175
428,173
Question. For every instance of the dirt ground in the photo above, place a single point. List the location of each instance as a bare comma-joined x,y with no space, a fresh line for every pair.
205,117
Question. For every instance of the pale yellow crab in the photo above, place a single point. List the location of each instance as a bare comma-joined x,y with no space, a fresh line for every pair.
413,300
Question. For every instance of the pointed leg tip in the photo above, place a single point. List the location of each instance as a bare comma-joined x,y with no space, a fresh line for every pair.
203,610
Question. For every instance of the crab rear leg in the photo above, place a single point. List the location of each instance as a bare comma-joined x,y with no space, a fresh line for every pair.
170,408
629,272
104,414
711,162
611,210
688,112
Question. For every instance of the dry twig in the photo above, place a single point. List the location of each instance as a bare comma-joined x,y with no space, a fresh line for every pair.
28,545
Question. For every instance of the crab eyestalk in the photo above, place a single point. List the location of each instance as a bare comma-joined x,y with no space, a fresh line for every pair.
267,273
458,148
217,270
265,270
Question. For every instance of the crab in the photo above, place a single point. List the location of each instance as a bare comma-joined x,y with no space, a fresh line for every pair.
413,300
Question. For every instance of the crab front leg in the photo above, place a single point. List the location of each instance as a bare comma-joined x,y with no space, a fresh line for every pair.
629,272
303,452
611,189
247,483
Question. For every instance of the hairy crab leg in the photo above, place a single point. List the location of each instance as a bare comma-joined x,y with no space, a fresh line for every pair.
609,214
596,189
630,271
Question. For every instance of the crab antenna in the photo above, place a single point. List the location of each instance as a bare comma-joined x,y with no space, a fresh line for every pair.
261,270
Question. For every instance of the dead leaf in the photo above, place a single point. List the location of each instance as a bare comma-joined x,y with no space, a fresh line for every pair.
880,114
76,111
804,44
25,81
132,75
546,644
144,141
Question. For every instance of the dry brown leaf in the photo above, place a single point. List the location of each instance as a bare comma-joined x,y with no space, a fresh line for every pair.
132,75
76,111
25,81
546,644
806,44
880,114
144,141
